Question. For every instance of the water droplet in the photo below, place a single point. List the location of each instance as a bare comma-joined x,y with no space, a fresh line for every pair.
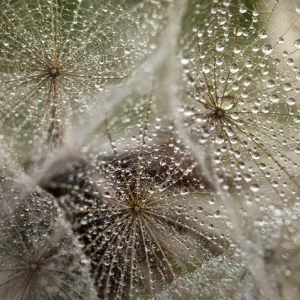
199,209
287,87
219,139
290,62
184,61
255,48
222,21
234,140
285,54
234,68
247,82
270,83
189,113
237,50
291,101
287,273
280,40
276,61
267,49
153,46
297,44
243,9
227,103
238,31
297,119
184,191
275,183
219,61
249,64
254,187
265,109
219,46
235,116
255,155
262,166
206,68
263,33
298,9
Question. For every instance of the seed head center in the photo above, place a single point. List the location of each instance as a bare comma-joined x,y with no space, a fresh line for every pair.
53,71
219,112
136,209
34,267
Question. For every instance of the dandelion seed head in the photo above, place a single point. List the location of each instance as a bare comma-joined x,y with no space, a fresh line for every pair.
241,103
38,255
136,208
55,53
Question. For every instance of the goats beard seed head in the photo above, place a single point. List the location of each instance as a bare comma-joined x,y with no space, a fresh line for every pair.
141,225
38,254
40,43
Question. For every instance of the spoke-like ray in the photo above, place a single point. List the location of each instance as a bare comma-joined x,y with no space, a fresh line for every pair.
11,278
101,234
25,98
146,254
132,258
283,168
116,155
149,230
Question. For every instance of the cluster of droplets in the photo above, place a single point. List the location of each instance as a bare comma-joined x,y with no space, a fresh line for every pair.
241,103
56,55
39,257
144,219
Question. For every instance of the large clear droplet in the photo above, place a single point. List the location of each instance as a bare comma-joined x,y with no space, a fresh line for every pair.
267,49
297,44
263,33
274,98
255,155
254,187
243,9
206,68
184,61
237,50
234,68
219,46
291,101
280,40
